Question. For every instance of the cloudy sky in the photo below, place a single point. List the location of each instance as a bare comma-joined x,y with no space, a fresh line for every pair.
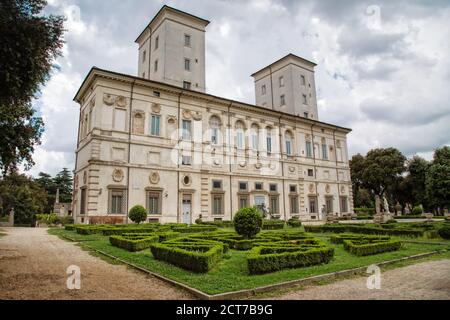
383,66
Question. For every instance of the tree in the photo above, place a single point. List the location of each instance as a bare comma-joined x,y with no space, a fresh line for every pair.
46,182
63,182
23,194
30,41
362,197
138,214
248,222
378,170
438,179
417,169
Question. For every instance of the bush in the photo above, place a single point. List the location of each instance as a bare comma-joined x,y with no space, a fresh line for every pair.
365,211
198,221
294,223
133,242
279,256
444,232
138,214
417,211
248,222
341,228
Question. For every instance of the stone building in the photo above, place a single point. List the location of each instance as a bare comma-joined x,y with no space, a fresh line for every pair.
158,140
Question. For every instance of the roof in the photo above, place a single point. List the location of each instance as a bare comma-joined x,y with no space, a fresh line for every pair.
290,55
134,78
166,7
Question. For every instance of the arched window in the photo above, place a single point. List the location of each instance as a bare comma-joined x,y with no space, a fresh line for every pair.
138,123
240,134
255,137
289,142
214,124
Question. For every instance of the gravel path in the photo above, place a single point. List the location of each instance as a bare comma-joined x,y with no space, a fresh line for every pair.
33,265
423,281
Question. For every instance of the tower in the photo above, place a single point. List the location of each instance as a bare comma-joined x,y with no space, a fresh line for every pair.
288,85
172,49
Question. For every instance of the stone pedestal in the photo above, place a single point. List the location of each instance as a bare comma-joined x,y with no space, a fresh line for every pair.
382,217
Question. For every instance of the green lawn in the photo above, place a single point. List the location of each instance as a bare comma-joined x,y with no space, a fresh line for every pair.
232,275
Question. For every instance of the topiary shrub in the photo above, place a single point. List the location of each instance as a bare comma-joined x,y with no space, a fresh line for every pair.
138,214
444,232
248,222
417,210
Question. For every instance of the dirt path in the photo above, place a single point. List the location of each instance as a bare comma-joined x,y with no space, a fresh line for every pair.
423,281
33,266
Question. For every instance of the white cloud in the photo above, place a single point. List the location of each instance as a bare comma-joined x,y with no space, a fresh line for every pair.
387,79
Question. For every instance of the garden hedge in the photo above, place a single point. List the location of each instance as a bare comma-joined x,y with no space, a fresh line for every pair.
273,224
342,228
278,256
340,238
294,223
444,232
194,229
364,247
197,256
134,242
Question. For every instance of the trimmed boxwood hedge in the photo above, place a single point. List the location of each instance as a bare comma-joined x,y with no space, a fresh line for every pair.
365,248
273,224
197,256
341,228
444,232
340,238
278,256
134,242
194,229
294,223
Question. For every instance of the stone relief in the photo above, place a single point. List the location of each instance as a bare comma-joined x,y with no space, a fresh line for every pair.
343,190
258,166
154,177
312,188
108,99
118,175
186,180
243,164
291,169
121,101
156,108
197,116
328,188
186,114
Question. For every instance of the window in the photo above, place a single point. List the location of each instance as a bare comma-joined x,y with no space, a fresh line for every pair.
324,152
258,185
214,125
281,81
294,204
310,173
155,125
293,189
274,205
186,134
83,202
282,100
243,202
313,205
156,66
144,56
263,89
255,137
243,186
187,64
154,202
303,80
344,205
269,142
186,160
217,201
240,135
273,187
217,184
308,149
186,85
117,202
306,115
157,43
288,137
187,40
305,99
157,94
329,204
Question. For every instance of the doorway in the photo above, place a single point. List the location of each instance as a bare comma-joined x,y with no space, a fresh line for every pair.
187,208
